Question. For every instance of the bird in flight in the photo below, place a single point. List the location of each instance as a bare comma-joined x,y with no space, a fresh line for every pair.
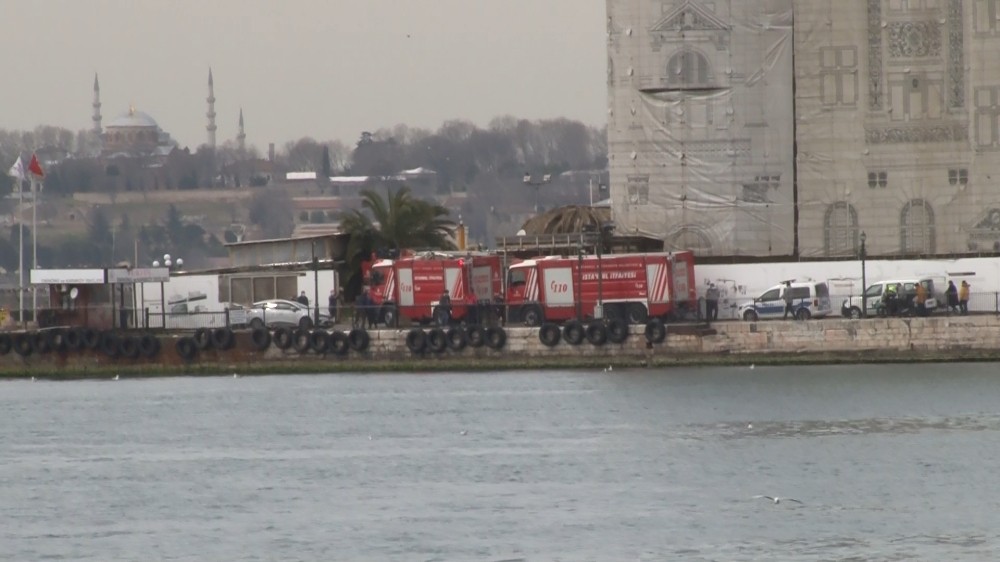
777,499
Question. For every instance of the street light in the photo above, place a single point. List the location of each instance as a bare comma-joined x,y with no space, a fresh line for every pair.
864,281
167,263
547,178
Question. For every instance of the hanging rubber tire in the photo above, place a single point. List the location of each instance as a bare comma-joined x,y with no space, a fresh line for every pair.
56,339
128,347
22,344
149,346
186,348
283,338
203,338
436,340
475,335
319,341
359,339
457,340
40,343
416,340
597,333
300,340
549,334
339,344
223,338
91,338
261,338
656,332
5,344
573,332
617,330
109,344
74,339
496,338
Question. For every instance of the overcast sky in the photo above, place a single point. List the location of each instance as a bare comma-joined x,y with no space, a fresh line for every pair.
328,69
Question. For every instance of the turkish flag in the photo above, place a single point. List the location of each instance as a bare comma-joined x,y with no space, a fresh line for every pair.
35,168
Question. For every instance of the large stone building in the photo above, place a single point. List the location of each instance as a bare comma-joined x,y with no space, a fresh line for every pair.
788,127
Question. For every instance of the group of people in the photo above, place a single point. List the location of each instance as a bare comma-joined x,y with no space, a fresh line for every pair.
958,297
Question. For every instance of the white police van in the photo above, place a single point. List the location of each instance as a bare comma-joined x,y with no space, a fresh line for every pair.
810,299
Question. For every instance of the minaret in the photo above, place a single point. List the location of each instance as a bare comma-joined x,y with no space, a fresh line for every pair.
97,107
241,137
211,110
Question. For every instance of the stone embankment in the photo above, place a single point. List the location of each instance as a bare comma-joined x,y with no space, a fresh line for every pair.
817,341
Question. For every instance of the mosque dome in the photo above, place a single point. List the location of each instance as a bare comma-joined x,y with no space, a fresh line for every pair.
133,119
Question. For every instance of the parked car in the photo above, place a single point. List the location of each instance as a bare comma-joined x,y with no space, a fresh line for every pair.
810,299
276,313
906,291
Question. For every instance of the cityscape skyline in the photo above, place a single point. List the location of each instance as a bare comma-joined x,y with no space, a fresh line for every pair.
386,64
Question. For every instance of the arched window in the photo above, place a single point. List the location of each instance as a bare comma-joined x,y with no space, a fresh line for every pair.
688,68
840,230
688,238
916,228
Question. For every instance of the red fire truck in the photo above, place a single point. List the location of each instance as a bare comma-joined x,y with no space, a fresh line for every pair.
411,287
629,286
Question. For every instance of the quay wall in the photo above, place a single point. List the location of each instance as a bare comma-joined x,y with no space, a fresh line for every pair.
830,340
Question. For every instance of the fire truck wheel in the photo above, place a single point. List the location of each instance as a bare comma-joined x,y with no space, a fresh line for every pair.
656,332
388,316
203,338
358,339
436,340
456,339
319,341
186,348
261,338
549,335
283,338
300,340
597,333
617,330
22,345
573,332
339,344
416,340
637,313
531,316
5,344
223,338
496,338
475,335
149,345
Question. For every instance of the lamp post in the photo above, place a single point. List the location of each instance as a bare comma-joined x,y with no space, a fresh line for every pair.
167,263
864,280
547,178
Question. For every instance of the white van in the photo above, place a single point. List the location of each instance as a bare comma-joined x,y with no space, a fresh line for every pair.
906,289
809,300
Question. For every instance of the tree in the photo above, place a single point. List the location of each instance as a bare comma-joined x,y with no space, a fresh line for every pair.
390,225
327,169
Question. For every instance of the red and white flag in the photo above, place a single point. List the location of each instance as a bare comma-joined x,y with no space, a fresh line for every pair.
35,168
17,170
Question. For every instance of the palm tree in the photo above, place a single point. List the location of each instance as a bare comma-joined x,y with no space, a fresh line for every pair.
390,225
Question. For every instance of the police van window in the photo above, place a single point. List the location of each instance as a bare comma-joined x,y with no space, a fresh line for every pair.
516,278
822,291
771,295
874,291
800,292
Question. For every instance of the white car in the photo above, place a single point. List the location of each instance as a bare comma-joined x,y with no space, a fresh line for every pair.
809,300
906,289
276,313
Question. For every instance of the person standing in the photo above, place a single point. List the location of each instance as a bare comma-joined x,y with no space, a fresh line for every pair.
921,300
712,303
963,298
789,300
952,295
444,303
332,304
303,299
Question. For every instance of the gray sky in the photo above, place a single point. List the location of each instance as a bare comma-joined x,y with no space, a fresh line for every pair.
321,68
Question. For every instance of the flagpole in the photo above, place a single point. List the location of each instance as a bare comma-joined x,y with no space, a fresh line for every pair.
34,247
20,249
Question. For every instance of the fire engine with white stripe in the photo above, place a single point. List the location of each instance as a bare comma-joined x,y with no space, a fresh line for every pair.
634,287
411,287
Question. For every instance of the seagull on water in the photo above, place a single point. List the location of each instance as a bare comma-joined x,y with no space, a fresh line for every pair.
777,500
463,432
116,378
